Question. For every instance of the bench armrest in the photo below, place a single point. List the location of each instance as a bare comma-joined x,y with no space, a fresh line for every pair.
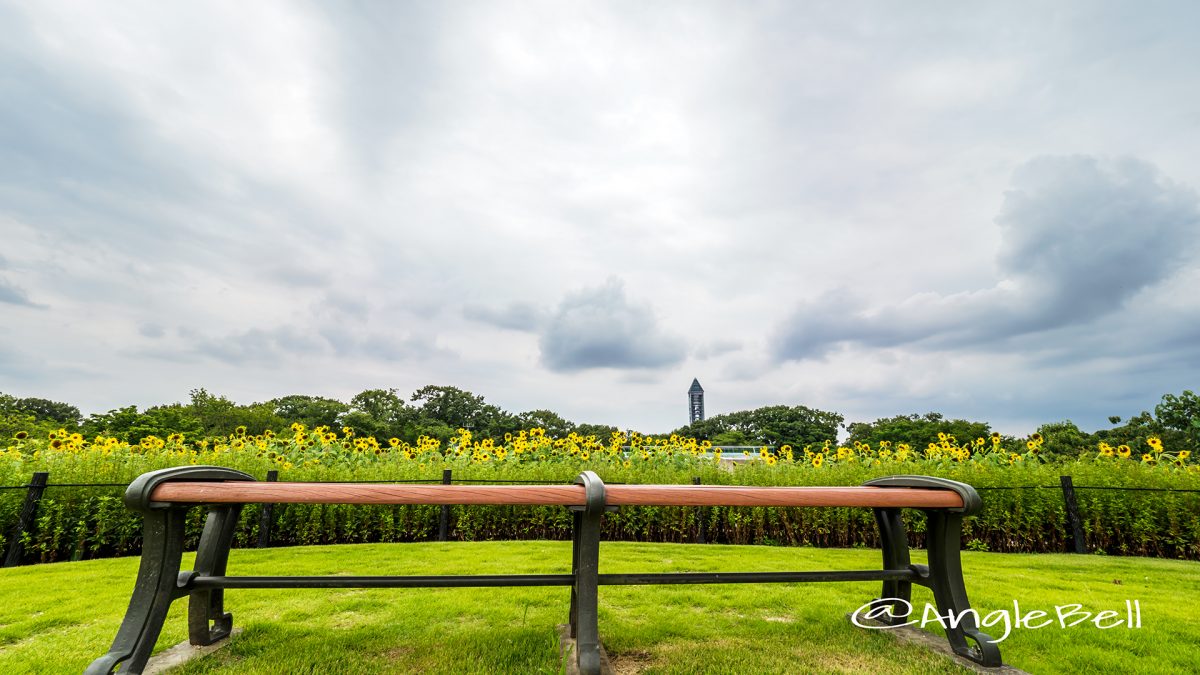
137,495
970,498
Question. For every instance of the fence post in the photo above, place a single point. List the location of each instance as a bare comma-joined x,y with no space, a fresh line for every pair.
699,517
1068,490
28,518
264,516
444,517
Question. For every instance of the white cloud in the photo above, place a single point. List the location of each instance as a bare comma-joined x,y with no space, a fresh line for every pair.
600,328
1081,236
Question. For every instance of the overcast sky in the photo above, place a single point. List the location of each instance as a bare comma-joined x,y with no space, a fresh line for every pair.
870,208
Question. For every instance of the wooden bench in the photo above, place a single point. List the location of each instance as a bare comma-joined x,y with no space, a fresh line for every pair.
164,496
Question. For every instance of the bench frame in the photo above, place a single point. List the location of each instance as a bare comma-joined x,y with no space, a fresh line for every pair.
160,581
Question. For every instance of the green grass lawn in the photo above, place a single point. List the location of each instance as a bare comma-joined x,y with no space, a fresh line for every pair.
57,618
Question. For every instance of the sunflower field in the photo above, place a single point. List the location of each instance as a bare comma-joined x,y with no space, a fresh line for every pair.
1134,501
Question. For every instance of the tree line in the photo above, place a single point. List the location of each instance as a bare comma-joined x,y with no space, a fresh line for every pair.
439,411
435,411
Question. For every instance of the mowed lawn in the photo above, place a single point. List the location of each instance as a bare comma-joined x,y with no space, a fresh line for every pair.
57,618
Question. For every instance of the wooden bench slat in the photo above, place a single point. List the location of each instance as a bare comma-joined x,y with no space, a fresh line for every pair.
555,495
731,495
352,493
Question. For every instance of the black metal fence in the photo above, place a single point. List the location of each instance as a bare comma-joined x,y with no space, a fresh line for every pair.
40,481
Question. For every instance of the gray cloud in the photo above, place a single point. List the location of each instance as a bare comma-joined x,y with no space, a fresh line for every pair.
1077,373
151,330
599,328
72,145
343,305
519,316
93,156
15,295
271,346
717,347
294,275
1081,237
257,345
390,43
401,348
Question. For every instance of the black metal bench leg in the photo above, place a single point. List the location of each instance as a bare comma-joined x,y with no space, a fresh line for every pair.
212,556
585,590
576,528
895,601
944,532
587,630
155,590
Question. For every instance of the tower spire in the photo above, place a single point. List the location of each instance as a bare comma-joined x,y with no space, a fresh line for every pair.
695,402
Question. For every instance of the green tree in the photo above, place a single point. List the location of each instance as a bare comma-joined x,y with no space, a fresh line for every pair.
220,416
217,414
380,413
13,421
460,409
116,422
602,432
451,405
916,430
718,429
731,437
311,411
1065,439
425,426
1181,413
552,422
771,425
132,426
162,421
63,414
1172,422
793,425
382,404
1133,432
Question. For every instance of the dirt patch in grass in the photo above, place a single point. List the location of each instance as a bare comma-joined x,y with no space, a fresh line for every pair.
345,620
842,662
631,662
398,654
